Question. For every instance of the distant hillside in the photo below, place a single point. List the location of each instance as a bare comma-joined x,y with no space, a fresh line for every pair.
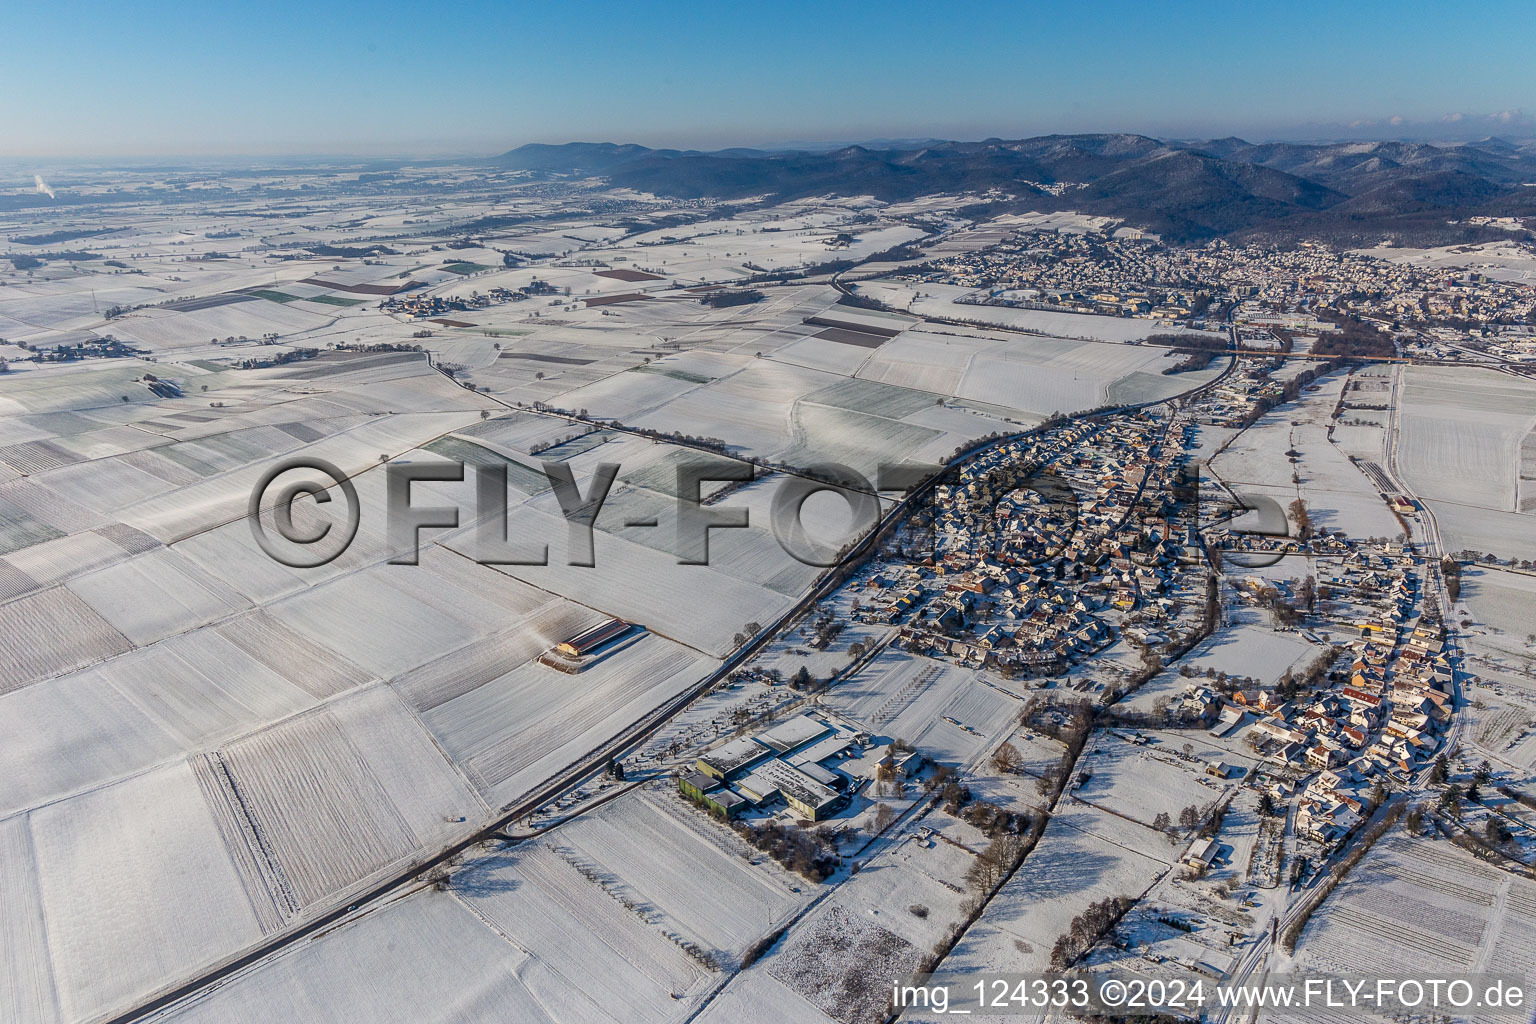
1186,191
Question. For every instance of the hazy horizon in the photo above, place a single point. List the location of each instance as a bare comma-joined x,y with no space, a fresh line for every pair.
381,81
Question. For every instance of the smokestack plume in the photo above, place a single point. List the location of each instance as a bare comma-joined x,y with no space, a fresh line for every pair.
42,186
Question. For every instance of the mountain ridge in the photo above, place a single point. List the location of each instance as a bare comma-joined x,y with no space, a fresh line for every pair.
1187,191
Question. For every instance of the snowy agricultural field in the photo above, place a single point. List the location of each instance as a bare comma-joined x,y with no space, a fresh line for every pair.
1084,856
156,594
1501,260
1504,602
1139,782
696,605
1036,375
600,959
338,795
905,696
1465,527
840,960
757,995
1461,435
188,692
428,958
942,301
136,888
30,632
696,879
514,731
1412,902
1337,493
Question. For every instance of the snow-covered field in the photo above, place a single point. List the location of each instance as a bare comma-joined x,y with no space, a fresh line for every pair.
1412,903
1461,435
1085,855
1338,495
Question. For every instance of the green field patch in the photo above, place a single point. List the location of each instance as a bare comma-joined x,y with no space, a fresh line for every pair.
464,268
682,375
525,478
570,449
336,300
272,296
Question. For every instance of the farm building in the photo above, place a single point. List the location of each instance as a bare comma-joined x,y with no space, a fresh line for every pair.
590,640
1201,853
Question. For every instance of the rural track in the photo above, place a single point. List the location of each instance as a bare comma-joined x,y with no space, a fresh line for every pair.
596,760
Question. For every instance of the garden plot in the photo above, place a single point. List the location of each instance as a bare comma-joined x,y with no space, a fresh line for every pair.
1251,649
695,877
1411,902
427,958
136,888
155,594
515,731
1140,782
1459,434
49,632
598,954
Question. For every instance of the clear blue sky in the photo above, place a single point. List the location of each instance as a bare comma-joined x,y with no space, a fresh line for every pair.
390,78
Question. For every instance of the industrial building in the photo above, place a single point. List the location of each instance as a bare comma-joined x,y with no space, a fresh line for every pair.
788,762
710,793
